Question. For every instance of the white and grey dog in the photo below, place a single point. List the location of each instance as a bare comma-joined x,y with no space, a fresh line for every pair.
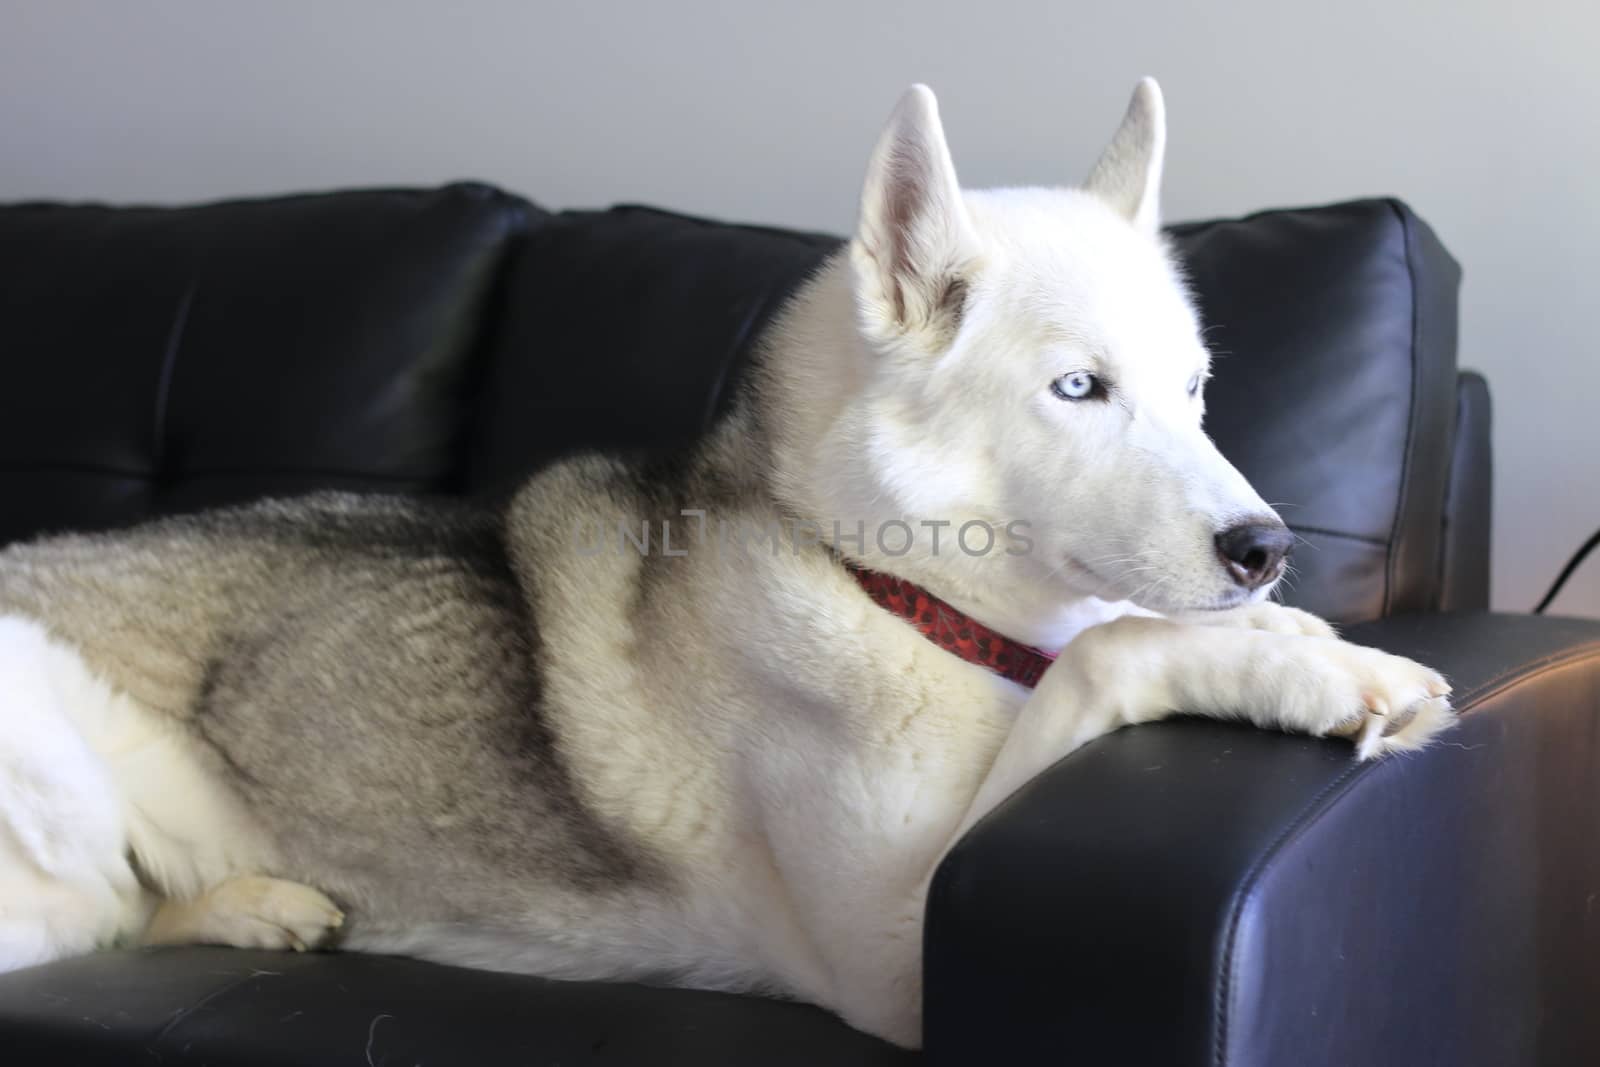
490,738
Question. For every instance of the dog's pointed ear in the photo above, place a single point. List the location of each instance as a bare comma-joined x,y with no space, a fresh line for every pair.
915,242
1128,175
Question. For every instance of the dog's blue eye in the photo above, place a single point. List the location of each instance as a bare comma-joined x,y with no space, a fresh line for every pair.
1079,385
1194,385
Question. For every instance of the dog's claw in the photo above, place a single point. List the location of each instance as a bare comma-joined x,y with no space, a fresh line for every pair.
1387,703
1371,739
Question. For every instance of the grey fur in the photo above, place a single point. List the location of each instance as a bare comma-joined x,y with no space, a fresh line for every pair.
727,768
368,672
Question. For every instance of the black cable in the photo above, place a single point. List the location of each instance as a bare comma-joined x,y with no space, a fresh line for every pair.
1566,572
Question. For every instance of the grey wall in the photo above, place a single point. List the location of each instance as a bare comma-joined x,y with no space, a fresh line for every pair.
1481,115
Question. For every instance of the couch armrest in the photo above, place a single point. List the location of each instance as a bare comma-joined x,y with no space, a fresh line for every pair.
1200,893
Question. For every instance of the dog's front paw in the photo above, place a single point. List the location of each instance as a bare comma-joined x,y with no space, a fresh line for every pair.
1384,703
1269,617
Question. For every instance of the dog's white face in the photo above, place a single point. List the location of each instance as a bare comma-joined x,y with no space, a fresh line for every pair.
1037,358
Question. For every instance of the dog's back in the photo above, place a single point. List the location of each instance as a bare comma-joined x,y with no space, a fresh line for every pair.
365,675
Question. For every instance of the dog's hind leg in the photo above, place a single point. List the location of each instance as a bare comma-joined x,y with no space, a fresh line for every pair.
106,807
250,911
67,885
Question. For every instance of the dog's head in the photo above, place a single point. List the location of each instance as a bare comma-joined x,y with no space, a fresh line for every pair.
1036,357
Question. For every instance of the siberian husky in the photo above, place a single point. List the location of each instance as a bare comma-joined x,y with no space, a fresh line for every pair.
711,719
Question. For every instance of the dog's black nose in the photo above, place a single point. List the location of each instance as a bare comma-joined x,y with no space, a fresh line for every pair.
1254,552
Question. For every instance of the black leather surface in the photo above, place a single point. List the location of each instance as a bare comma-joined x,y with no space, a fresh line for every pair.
1464,539
459,338
159,359
1334,394
625,329
231,1008
1335,390
1200,893
452,340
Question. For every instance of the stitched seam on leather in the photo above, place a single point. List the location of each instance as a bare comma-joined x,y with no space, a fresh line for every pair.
169,360
311,472
517,225
757,313
1223,1000
806,237
1447,525
1507,679
1314,809
1366,539
226,472
1184,229
1411,411
69,467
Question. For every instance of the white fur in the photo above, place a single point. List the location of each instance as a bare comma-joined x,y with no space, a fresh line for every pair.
898,414
895,418
89,781
807,760
65,882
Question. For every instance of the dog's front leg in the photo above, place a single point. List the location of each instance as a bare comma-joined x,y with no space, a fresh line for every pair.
1267,615
1135,670
856,832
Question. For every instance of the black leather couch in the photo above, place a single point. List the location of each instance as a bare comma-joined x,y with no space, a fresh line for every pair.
1188,893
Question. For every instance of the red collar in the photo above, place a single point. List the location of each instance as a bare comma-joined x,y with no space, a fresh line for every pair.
953,630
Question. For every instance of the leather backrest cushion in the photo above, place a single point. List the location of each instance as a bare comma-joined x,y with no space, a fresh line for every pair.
639,320
457,339
1334,387
166,359
1464,550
